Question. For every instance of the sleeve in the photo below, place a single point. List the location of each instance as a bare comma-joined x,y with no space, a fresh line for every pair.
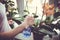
5,26
1,22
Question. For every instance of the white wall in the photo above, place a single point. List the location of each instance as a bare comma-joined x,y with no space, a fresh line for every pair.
20,4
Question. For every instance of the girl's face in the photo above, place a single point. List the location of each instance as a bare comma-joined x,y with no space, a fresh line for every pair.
49,10
10,21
